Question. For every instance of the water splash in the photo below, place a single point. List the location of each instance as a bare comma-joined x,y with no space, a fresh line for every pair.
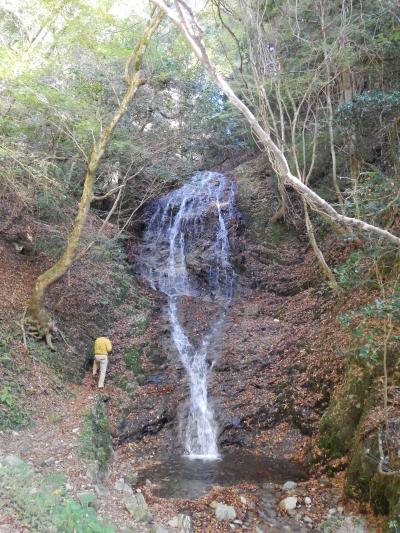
193,221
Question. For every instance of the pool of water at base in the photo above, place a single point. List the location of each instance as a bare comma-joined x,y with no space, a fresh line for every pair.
185,477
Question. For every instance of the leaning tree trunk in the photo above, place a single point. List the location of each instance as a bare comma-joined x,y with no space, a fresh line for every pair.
187,24
37,317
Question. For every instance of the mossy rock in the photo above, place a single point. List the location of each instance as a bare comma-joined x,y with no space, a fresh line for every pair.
95,435
364,482
339,424
385,495
362,469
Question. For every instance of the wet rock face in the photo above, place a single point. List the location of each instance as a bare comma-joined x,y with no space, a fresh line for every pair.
269,382
147,419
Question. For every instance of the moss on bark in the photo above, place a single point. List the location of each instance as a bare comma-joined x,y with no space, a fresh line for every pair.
339,423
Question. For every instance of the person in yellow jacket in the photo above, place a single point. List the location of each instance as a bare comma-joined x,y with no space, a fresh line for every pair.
102,347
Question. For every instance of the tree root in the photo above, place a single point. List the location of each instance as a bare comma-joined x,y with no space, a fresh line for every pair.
41,329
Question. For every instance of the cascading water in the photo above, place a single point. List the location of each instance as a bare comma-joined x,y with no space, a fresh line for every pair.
193,220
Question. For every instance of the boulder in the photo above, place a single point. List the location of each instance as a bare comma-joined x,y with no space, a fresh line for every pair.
289,485
137,507
182,522
225,512
288,504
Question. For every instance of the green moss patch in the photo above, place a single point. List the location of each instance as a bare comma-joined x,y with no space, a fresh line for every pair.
132,360
95,435
41,503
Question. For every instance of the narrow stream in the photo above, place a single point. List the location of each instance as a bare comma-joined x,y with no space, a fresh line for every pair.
193,220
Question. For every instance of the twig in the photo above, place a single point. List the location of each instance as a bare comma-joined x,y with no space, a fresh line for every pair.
66,342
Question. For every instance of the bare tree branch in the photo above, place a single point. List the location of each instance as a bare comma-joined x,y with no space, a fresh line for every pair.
182,17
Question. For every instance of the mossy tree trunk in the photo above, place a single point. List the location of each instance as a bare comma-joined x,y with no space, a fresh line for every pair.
37,316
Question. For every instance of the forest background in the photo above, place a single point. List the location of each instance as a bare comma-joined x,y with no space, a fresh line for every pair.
323,78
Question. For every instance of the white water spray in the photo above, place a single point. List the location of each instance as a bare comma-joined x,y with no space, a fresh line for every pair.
193,220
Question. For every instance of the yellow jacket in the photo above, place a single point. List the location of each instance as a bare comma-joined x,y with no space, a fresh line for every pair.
102,346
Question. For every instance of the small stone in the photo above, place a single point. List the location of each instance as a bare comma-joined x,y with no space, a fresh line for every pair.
243,500
307,500
213,504
137,507
340,509
308,520
276,320
238,522
289,485
331,512
288,504
225,512
75,430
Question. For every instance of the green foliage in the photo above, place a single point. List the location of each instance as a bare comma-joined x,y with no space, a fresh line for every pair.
140,324
375,190
120,380
41,503
367,324
67,365
49,205
13,415
354,271
52,245
132,360
95,435
369,103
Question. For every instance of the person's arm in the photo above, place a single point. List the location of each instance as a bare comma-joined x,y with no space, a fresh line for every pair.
109,346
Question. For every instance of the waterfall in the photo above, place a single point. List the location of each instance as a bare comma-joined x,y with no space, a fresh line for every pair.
190,225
